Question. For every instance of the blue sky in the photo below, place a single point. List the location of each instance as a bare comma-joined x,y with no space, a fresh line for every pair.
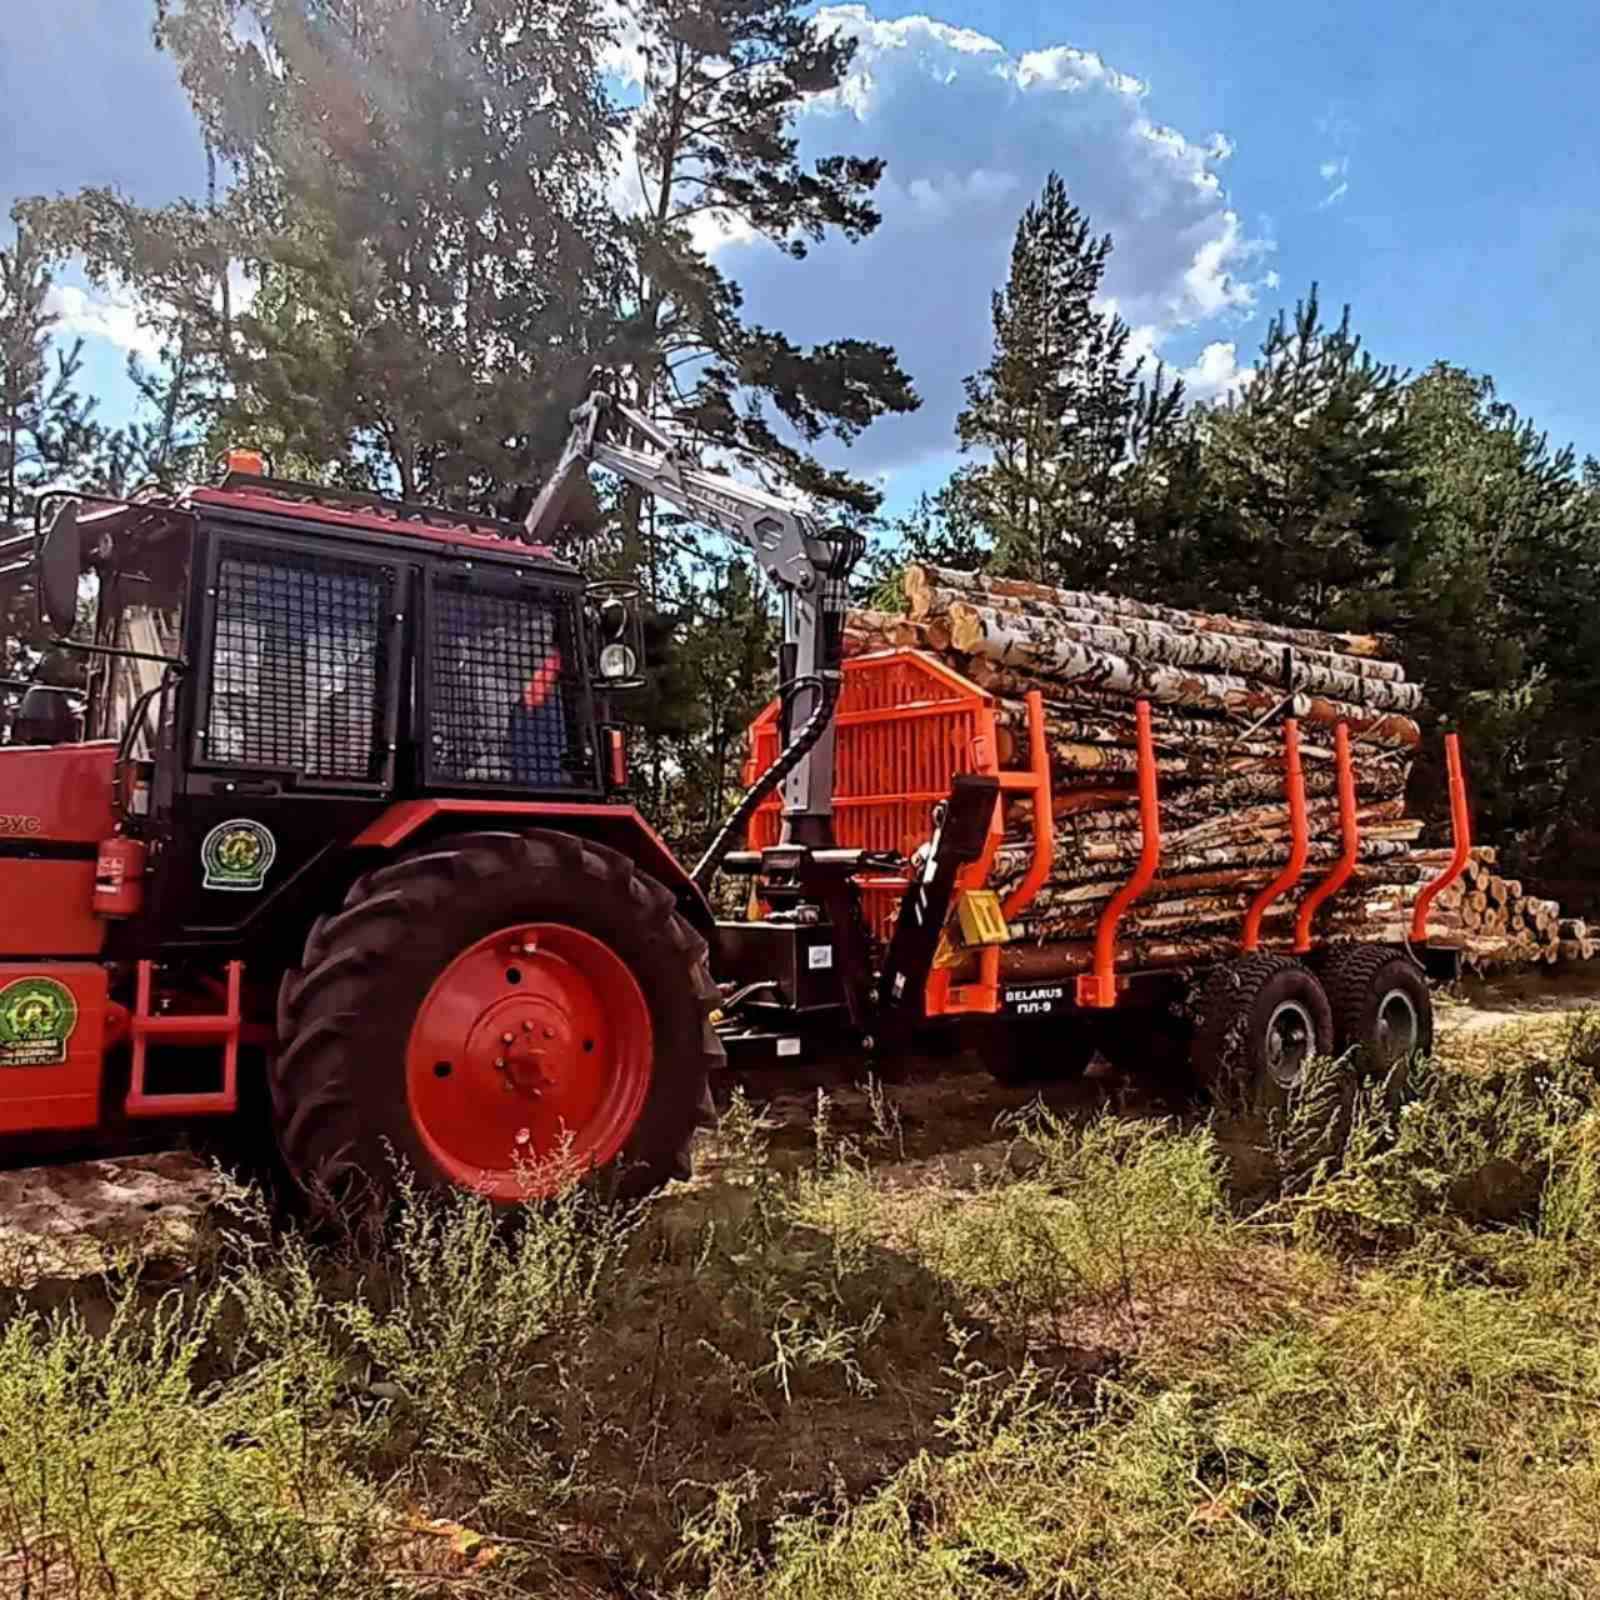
1432,164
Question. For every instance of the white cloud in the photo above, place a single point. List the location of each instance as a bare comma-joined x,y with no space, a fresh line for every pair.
96,314
1216,372
1335,170
969,132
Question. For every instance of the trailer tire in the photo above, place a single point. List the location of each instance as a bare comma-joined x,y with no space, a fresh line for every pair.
612,1025
1262,1017
1016,1052
1382,1008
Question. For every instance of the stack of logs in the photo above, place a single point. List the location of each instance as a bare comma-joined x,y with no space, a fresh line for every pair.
1492,919
1219,689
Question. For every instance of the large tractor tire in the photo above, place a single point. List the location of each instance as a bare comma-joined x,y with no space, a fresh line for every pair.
1382,1007
1262,1019
499,1012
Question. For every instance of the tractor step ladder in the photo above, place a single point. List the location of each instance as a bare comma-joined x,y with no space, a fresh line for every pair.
189,1030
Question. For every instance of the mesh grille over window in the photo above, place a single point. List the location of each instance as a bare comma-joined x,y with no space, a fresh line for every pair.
506,702
299,668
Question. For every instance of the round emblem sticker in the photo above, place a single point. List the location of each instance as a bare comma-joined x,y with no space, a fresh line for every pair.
236,855
37,1016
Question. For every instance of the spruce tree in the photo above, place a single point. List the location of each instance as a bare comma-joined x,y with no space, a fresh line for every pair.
1060,411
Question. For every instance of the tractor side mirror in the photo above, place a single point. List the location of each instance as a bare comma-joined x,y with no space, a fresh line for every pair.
60,567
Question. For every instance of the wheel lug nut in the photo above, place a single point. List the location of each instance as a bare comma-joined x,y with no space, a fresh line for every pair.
500,1062
527,1027
506,1038
549,1033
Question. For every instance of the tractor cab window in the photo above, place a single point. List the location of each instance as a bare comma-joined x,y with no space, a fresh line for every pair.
505,703
123,681
140,608
299,663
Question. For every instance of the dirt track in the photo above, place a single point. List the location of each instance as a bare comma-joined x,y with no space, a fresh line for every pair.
76,1220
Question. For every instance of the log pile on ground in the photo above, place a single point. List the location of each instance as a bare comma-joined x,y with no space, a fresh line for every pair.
1492,918
1219,689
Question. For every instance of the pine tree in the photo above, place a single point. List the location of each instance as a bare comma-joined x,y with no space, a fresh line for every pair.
418,205
1060,410
1498,603
47,431
1310,488
713,145
48,436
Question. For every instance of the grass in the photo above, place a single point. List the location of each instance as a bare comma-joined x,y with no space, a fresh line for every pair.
1082,1358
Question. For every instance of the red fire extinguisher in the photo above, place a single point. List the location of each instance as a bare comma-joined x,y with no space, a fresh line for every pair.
119,876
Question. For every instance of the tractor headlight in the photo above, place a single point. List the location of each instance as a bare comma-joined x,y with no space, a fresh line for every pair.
616,636
617,661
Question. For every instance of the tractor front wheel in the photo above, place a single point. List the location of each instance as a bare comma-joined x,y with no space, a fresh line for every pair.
500,1012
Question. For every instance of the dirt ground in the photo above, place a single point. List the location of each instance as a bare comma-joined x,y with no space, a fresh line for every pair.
78,1219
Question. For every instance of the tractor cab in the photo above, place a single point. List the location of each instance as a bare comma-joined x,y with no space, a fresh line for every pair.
321,652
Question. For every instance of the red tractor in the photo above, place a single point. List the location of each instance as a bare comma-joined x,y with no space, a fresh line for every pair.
346,808
347,818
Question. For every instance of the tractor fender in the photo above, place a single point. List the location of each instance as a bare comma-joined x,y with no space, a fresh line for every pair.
619,827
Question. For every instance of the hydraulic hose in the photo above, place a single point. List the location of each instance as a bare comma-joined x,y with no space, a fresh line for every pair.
827,685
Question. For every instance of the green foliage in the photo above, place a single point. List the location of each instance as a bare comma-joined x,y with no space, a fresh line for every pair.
1064,1363
1512,1144
1499,612
1060,410
713,142
47,435
417,201
1303,488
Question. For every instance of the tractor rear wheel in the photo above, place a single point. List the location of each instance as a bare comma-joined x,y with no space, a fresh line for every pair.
499,1012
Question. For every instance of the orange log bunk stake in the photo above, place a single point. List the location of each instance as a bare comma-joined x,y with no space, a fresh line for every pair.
1294,781
1461,831
1098,989
1350,834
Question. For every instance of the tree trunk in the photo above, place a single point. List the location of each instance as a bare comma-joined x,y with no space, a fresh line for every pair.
922,580
973,627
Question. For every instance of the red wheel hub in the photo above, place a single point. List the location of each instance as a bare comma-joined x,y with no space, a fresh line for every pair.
530,1056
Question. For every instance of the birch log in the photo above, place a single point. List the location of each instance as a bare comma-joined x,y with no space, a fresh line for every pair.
921,579
1004,635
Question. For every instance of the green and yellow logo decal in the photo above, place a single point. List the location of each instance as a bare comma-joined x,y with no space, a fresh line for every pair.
236,855
37,1016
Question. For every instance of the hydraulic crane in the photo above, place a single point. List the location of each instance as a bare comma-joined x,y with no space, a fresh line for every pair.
808,566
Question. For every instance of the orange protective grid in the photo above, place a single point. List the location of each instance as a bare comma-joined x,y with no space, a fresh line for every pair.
905,726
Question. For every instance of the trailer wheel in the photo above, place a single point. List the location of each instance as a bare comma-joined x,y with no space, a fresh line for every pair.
1014,1051
1382,1006
1262,1018
501,1012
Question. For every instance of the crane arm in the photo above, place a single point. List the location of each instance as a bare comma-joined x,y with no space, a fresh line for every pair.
619,439
807,566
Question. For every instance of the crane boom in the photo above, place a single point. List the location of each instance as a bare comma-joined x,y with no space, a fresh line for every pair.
809,568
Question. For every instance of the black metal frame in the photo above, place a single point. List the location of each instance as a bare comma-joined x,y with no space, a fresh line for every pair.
220,541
